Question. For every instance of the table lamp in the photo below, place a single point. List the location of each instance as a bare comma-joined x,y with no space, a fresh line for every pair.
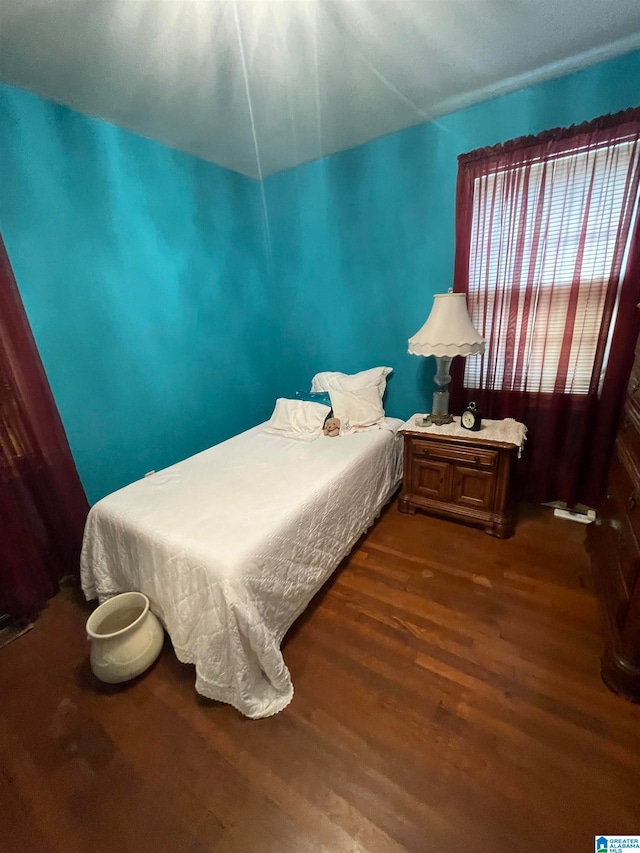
448,332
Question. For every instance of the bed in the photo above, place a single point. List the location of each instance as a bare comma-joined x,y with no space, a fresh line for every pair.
231,544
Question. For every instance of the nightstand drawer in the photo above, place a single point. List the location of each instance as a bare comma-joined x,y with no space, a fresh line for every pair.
472,456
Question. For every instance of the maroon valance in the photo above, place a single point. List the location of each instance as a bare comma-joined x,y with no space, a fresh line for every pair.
520,145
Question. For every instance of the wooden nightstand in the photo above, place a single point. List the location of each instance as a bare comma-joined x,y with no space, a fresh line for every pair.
461,475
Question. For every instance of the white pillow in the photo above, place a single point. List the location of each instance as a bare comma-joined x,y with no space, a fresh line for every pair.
297,419
356,409
376,377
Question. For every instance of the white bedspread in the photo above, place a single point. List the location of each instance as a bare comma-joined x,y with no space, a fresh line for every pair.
231,545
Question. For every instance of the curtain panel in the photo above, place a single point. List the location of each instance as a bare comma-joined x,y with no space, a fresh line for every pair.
42,504
548,255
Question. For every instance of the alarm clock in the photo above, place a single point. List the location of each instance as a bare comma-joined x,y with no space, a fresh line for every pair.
470,418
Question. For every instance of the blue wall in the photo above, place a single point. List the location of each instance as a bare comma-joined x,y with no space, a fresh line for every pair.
143,275
163,325
363,239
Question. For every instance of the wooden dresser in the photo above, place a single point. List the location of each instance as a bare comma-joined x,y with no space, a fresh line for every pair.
465,478
613,541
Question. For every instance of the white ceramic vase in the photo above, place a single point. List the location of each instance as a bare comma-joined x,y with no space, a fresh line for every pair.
126,638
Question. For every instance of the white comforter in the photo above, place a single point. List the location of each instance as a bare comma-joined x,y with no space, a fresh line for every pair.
231,545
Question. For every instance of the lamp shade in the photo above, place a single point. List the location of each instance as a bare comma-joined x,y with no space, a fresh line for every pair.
448,331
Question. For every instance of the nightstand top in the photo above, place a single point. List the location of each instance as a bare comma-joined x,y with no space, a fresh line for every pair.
507,431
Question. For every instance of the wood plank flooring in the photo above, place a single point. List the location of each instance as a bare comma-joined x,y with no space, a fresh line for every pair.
447,698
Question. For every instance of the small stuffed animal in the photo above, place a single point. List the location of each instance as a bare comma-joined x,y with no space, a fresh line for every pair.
331,427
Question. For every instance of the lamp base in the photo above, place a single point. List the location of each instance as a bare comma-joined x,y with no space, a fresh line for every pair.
437,420
440,409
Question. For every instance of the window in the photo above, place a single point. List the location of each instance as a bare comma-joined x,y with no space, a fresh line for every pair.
550,234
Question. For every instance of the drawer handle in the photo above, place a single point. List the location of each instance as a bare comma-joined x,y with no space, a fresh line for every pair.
633,499
635,384
476,459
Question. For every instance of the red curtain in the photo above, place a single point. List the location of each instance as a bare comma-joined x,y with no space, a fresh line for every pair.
42,503
548,254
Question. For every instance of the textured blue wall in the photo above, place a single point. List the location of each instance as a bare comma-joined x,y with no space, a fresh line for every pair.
363,239
142,273
162,324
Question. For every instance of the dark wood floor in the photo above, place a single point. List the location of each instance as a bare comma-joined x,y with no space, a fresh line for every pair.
447,698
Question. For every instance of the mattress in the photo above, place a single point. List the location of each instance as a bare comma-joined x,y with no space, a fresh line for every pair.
231,544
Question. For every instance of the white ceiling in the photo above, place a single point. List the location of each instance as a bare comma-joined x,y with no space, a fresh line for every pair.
262,85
